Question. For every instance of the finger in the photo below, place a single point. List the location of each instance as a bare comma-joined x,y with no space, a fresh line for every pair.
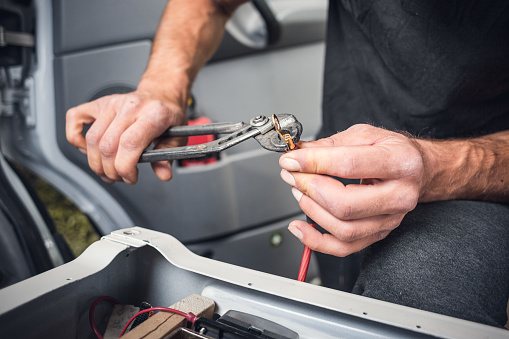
75,119
156,119
327,243
94,137
355,162
349,230
356,135
130,108
356,201
163,169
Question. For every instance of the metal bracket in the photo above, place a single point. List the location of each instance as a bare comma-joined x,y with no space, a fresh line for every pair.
10,38
19,100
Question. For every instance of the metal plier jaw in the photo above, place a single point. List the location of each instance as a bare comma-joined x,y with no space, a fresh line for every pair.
277,134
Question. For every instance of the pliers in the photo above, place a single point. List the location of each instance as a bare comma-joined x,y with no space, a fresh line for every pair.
278,134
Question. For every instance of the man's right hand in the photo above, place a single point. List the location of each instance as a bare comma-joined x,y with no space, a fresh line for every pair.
122,127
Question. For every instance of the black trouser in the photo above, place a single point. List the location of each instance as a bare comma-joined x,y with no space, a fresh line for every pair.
447,257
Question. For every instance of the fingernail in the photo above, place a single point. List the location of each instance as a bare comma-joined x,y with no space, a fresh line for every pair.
82,150
296,193
295,231
290,164
287,177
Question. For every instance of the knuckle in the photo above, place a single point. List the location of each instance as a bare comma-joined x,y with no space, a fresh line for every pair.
160,113
307,184
73,139
131,140
359,128
315,247
93,137
123,170
72,113
346,234
107,148
408,200
356,127
382,235
411,164
318,244
390,225
342,210
96,168
415,164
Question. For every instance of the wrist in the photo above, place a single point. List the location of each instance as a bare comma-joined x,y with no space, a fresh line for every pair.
463,169
170,89
448,165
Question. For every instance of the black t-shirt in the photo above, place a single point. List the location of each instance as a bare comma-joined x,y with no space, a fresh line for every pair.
437,68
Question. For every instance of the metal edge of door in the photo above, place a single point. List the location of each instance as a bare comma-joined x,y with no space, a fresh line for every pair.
299,301
391,314
36,148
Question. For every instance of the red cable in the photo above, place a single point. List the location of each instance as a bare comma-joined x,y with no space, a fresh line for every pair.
306,255
189,316
91,314
304,263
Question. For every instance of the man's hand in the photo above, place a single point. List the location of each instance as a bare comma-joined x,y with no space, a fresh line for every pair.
392,172
122,126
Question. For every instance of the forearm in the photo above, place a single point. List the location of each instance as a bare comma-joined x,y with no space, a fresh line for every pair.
474,169
188,34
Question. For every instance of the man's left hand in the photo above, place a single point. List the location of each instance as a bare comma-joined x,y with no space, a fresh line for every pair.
392,172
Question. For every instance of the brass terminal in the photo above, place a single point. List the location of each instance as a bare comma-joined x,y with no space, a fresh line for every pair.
286,137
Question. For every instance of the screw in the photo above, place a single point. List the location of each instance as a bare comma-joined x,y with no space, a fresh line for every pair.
258,120
276,239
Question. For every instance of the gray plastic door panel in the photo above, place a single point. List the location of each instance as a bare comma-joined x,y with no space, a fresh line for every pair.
81,25
243,189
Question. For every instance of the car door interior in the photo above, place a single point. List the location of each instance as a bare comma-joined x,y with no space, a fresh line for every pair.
231,210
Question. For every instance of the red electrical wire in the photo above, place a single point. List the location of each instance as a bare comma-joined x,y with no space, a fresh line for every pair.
304,263
306,255
189,316
91,314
